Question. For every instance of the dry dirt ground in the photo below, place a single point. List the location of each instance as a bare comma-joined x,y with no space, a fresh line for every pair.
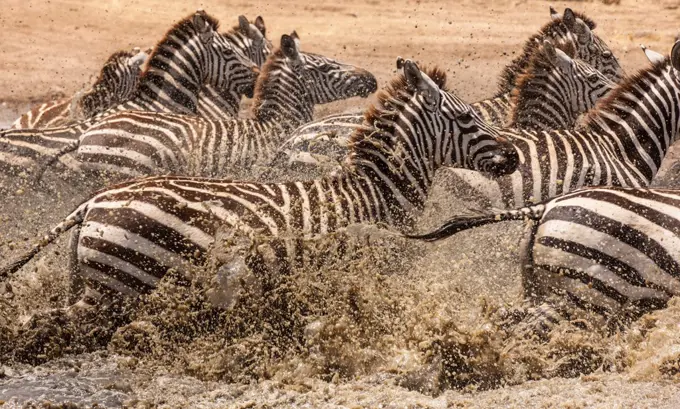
390,353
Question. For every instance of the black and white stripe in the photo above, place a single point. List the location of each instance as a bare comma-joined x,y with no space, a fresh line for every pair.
129,235
191,55
291,83
552,93
622,143
611,251
250,39
556,89
117,82
570,26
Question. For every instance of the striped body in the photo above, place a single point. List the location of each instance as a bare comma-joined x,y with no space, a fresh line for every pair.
608,250
169,84
117,82
622,143
132,233
137,143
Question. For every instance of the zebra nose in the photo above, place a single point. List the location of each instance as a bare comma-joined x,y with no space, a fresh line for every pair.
367,83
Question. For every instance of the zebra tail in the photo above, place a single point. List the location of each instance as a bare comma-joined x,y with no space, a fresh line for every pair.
71,220
54,158
461,223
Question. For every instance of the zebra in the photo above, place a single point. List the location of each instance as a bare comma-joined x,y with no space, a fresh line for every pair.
290,84
556,89
569,26
191,54
127,236
621,143
117,82
250,39
611,252
552,92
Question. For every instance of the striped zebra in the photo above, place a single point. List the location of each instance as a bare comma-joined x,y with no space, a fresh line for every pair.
555,89
192,54
569,26
250,39
622,143
612,252
552,92
290,84
117,82
128,236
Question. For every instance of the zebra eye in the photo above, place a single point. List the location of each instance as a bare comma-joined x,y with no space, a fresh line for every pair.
592,77
465,116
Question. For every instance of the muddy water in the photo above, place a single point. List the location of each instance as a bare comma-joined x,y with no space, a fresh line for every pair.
395,324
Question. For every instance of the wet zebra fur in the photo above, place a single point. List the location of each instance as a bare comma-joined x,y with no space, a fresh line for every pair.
571,26
610,251
169,84
291,83
129,235
552,93
117,82
621,143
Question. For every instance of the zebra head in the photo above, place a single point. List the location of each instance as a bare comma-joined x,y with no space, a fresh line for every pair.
251,40
567,87
292,82
117,82
329,80
224,66
591,48
418,126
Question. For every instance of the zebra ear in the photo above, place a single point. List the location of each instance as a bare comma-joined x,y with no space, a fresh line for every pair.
563,61
202,26
582,31
289,47
569,19
554,15
652,55
259,23
244,25
421,84
675,55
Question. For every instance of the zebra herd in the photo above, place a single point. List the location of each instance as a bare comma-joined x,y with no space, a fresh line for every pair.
569,144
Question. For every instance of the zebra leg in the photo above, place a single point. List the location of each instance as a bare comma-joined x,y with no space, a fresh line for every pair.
230,275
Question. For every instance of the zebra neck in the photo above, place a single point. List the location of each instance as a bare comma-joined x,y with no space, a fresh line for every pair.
217,104
640,120
540,106
160,91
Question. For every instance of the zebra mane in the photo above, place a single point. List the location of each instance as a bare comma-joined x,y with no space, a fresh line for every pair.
379,119
509,75
260,93
540,62
630,85
184,25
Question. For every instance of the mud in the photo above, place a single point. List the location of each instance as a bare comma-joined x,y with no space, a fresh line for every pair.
392,324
